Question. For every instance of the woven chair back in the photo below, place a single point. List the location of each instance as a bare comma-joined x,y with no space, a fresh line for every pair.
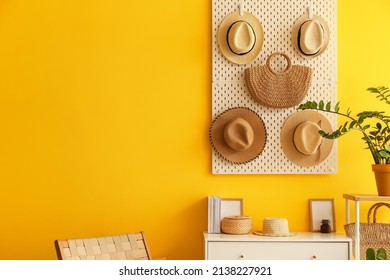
131,246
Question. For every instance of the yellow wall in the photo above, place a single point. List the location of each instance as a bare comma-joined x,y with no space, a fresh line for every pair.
104,115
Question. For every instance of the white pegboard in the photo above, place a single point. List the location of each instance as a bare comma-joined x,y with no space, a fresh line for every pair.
228,83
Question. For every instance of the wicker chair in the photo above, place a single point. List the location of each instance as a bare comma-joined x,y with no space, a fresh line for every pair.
131,246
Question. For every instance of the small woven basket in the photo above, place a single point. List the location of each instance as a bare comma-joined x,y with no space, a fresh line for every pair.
372,234
236,225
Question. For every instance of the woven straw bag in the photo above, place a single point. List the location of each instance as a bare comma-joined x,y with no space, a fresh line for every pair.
372,235
278,89
236,225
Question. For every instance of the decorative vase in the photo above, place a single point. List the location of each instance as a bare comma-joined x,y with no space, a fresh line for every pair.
382,178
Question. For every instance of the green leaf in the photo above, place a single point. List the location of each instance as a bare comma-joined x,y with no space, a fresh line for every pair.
321,105
337,107
303,106
387,147
384,154
373,90
328,106
370,254
352,124
308,105
381,254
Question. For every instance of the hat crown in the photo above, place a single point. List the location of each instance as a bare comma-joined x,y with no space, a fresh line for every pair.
275,226
306,137
241,37
238,134
311,37
223,135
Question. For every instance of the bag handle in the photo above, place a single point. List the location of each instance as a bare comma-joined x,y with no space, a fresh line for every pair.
375,208
275,54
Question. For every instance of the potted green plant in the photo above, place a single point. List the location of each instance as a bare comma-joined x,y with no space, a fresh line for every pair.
375,128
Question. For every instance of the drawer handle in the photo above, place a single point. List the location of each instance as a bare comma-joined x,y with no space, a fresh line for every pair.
313,257
241,257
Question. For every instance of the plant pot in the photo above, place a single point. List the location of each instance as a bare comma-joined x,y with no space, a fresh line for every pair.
382,178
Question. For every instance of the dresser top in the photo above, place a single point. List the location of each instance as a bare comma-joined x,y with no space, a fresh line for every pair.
297,237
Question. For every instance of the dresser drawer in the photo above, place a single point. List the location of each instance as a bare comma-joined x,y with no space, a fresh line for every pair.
278,250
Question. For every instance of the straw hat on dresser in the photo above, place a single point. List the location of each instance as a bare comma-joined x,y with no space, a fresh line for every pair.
238,135
277,227
300,139
240,37
310,35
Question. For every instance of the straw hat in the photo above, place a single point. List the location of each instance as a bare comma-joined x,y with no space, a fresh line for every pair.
240,38
238,135
300,140
310,35
277,227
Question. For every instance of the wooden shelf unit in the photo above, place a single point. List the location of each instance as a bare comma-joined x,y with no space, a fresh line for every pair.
357,198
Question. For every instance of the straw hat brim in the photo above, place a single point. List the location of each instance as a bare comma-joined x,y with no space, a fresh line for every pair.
287,138
222,40
295,34
274,235
217,140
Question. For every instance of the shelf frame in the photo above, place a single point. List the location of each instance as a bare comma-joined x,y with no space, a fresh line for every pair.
357,198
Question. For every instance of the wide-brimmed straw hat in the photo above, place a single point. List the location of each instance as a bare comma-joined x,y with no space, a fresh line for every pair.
277,227
238,135
240,37
300,139
310,35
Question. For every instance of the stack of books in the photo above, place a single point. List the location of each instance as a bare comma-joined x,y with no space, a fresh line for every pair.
214,214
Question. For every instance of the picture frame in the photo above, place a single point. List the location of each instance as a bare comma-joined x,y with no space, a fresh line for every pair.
231,207
218,208
322,209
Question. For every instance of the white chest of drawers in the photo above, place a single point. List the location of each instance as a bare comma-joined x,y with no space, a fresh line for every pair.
302,246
